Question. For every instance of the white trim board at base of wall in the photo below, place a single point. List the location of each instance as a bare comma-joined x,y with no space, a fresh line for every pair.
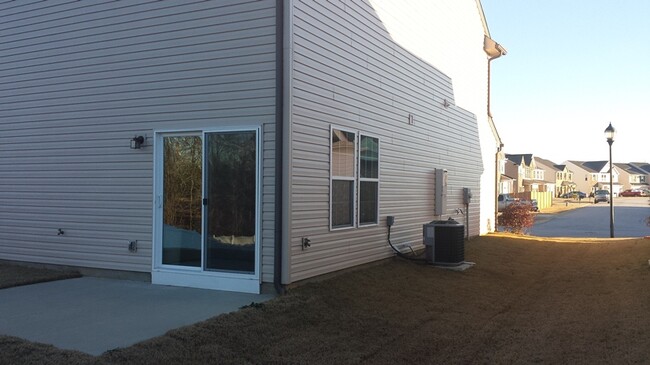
206,281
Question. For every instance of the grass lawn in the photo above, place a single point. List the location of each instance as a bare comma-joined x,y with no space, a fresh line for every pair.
12,275
525,301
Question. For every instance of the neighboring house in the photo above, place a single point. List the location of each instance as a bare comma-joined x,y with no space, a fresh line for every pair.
231,144
564,180
556,176
513,177
506,180
590,176
632,177
518,168
645,167
506,185
530,176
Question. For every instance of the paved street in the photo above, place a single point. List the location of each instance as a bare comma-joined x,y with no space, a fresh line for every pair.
593,220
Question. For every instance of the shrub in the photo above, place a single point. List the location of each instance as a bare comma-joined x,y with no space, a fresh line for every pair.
517,218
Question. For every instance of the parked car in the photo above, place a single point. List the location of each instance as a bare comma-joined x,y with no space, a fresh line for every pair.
633,192
531,204
574,195
601,196
505,200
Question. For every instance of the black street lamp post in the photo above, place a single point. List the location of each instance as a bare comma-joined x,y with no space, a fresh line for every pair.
610,132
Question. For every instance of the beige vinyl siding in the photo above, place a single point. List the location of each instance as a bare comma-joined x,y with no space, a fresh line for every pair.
449,34
348,73
79,79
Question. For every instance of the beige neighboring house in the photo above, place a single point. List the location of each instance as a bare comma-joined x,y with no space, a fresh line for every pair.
560,175
632,177
530,176
645,167
590,176
550,173
564,180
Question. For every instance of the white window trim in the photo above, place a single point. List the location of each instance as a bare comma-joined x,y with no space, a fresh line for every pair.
360,179
356,179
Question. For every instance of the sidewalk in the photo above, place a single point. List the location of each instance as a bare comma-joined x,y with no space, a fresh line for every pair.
562,205
94,315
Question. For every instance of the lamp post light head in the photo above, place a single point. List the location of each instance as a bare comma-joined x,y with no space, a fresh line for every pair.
610,132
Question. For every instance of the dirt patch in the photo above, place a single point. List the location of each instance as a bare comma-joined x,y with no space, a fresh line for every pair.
525,301
15,275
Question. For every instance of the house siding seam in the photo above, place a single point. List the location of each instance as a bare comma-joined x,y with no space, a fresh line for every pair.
79,79
347,72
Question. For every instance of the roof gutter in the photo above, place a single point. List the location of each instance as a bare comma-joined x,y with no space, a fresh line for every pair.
493,50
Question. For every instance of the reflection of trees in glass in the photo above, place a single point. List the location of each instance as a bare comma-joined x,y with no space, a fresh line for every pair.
231,183
182,182
369,157
369,180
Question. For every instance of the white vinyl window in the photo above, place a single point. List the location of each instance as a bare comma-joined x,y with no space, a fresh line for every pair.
354,188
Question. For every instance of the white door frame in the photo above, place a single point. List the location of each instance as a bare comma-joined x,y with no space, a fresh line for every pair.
193,276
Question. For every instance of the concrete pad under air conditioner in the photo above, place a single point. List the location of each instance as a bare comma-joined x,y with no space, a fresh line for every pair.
460,266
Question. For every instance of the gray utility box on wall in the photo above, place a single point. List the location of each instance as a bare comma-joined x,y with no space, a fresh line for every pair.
440,204
444,242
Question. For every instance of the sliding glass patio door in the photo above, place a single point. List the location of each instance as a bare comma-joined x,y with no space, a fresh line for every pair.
207,212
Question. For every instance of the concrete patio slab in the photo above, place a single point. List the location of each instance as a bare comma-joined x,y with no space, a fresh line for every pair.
94,315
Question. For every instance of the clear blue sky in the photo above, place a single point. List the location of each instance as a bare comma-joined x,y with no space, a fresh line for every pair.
572,67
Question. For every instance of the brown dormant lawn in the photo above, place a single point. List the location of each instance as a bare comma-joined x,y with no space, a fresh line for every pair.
545,301
12,275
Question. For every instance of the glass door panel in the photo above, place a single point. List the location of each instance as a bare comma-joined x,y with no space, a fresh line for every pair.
182,203
231,182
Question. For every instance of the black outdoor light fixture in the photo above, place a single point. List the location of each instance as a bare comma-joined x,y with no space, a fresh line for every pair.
610,132
137,142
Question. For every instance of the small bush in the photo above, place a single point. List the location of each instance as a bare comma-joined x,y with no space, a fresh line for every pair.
517,218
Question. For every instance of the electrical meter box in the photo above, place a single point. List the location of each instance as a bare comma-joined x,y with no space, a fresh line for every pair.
440,204
467,195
